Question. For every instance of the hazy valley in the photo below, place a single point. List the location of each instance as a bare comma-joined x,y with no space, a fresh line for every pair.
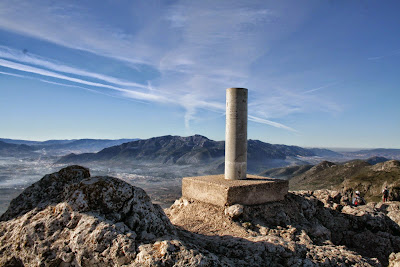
158,164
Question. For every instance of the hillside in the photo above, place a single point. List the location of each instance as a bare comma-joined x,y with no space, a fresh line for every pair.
69,219
8,150
62,147
326,174
286,173
350,176
374,160
323,152
83,145
195,149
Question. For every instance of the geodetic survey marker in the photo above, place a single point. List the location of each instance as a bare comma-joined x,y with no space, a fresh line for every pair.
235,186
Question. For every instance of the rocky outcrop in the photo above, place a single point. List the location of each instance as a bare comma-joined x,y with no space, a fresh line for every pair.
71,219
106,197
307,228
387,166
322,166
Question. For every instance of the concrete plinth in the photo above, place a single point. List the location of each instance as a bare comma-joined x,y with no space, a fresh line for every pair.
214,189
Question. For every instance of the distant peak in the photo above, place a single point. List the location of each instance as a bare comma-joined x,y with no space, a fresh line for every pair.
198,136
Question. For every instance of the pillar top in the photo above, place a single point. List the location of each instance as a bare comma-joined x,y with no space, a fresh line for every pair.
236,88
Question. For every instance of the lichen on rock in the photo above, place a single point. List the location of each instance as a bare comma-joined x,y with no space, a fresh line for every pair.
313,228
71,219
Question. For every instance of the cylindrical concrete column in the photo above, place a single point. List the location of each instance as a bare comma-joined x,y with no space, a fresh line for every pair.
236,134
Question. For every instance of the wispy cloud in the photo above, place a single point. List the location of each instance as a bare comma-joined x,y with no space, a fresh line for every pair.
188,102
62,23
272,123
12,74
66,85
390,54
129,93
16,55
320,88
199,51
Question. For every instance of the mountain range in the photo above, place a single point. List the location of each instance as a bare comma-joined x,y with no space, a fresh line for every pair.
183,151
381,152
7,149
195,149
58,147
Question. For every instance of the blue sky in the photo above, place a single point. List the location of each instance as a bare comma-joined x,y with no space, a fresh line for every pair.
319,73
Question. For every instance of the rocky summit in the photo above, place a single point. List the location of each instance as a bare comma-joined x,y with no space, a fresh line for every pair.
308,228
69,218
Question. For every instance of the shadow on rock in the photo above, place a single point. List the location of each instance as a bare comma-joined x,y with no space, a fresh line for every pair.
264,235
327,219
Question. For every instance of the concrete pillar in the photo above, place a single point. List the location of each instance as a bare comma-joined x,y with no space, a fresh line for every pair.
236,134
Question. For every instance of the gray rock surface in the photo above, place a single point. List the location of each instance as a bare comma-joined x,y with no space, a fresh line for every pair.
234,211
71,219
394,260
308,228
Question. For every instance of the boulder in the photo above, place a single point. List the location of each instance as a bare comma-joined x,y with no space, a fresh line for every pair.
71,219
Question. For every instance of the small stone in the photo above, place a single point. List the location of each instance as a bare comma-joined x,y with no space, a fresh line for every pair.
234,211
246,225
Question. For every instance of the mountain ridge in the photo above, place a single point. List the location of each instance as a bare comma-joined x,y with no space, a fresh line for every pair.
390,153
66,146
196,149
17,149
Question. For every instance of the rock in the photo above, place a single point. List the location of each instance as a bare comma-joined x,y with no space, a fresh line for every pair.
260,232
394,260
58,235
234,211
307,226
393,211
71,219
47,190
182,202
321,232
172,253
386,166
106,197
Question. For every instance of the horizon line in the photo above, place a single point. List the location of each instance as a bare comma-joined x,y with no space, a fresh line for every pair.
115,139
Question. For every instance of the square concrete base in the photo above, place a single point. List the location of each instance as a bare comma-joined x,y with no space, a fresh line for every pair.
214,189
